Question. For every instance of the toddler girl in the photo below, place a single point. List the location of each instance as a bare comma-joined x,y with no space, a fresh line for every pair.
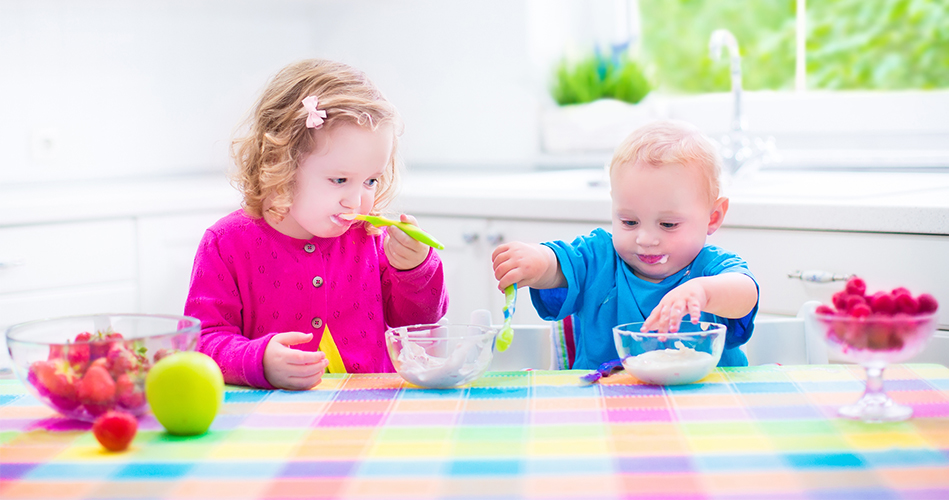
288,286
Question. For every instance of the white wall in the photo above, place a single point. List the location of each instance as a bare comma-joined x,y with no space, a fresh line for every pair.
99,88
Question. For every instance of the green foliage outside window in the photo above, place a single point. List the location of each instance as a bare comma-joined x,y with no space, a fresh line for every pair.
851,44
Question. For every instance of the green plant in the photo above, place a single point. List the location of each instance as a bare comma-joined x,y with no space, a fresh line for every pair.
598,77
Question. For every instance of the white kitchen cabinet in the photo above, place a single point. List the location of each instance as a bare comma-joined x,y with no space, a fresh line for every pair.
884,260
50,270
469,275
166,249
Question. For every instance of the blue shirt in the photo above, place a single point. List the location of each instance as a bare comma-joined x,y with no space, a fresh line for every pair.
603,292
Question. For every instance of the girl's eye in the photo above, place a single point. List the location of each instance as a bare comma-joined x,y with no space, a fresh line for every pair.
668,225
339,180
372,182
630,223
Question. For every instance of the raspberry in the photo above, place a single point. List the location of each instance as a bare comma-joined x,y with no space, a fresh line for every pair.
906,303
854,300
927,303
840,300
883,303
823,309
856,286
900,290
861,310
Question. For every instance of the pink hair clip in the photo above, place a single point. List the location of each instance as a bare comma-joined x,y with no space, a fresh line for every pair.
315,117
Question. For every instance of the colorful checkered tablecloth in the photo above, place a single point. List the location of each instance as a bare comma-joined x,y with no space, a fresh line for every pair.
744,433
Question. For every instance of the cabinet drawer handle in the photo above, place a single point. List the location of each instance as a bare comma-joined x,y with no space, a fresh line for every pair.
495,239
819,276
7,264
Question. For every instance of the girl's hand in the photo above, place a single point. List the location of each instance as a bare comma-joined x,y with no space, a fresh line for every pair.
292,369
527,265
402,250
688,298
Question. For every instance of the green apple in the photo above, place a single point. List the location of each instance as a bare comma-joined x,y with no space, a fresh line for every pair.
185,391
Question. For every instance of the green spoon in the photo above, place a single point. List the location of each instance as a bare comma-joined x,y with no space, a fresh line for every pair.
413,231
507,333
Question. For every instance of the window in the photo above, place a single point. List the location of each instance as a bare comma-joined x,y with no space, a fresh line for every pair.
867,86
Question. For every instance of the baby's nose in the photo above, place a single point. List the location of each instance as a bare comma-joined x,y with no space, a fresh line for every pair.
646,239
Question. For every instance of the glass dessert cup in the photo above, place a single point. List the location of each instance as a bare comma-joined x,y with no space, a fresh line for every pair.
663,358
437,356
874,342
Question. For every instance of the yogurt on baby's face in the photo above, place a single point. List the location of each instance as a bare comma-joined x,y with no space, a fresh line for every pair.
681,365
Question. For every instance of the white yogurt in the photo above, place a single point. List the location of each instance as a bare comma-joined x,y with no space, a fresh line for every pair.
670,366
466,360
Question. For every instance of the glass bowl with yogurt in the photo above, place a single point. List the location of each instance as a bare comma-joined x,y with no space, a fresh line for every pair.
663,358
437,356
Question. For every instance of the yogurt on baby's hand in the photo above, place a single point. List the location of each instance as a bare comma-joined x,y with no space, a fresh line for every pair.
681,365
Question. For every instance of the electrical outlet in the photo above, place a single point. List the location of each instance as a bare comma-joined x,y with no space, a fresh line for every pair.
46,145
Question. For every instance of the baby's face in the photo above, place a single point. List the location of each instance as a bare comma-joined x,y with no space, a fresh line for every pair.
661,218
339,177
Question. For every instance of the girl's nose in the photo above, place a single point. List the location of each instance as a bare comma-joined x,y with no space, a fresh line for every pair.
350,199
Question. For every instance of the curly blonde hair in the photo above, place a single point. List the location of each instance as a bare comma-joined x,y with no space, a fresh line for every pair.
277,137
666,142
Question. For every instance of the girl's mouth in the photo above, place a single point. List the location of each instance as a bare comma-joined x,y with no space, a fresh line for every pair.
653,259
342,221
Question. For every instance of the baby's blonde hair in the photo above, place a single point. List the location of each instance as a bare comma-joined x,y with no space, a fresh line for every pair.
667,142
277,137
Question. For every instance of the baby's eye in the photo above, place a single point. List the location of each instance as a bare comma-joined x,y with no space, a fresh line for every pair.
372,182
668,225
338,180
630,223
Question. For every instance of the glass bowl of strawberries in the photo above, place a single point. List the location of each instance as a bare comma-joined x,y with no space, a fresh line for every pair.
84,366
875,330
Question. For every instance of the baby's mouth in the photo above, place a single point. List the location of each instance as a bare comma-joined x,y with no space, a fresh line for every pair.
653,259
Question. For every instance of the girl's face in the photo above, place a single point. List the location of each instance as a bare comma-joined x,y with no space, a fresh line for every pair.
339,177
661,217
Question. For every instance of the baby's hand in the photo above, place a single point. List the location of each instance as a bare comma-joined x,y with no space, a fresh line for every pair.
688,298
292,369
526,265
402,250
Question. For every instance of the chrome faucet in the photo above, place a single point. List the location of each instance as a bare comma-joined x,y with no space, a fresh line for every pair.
742,154
723,39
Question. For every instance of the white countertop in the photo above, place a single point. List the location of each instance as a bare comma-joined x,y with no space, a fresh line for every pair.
845,201
848,201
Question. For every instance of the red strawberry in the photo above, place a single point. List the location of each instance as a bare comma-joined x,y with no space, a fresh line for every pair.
56,380
83,337
161,353
883,303
856,286
906,303
96,389
115,430
861,310
840,300
120,360
127,393
927,303
824,309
